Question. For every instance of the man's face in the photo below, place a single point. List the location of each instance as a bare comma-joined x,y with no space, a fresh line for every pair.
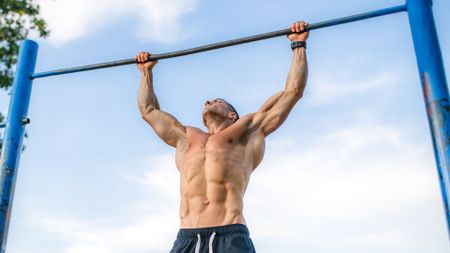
216,106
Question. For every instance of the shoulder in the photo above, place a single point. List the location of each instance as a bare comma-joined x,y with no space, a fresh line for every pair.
248,116
245,127
247,119
194,130
243,124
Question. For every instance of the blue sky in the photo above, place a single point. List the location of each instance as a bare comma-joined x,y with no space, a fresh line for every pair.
351,170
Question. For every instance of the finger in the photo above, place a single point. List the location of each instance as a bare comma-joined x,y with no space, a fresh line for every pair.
146,56
303,25
293,28
139,57
297,27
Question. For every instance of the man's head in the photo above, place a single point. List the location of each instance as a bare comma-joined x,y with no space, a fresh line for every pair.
219,109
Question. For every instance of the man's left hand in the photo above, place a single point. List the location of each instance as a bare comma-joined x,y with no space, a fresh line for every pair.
298,31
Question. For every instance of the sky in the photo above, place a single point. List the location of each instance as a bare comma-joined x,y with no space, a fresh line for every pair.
351,170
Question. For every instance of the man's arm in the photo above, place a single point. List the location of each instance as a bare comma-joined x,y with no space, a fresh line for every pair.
167,127
276,109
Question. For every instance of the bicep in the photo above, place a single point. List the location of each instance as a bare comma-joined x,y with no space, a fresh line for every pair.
274,112
166,126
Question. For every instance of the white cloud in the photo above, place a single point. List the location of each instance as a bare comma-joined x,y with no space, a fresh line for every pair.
353,188
150,227
159,18
328,88
152,233
155,19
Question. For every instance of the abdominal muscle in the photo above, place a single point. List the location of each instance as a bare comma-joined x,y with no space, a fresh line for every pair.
206,210
212,185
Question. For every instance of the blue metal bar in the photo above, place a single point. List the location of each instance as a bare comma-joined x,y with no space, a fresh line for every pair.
12,141
2,125
435,91
223,44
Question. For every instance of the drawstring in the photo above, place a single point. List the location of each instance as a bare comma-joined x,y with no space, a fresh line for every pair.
199,242
211,239
197,246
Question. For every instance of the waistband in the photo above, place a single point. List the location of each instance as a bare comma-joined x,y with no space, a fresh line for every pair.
220,230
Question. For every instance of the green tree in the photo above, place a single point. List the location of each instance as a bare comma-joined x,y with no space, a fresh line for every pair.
17,19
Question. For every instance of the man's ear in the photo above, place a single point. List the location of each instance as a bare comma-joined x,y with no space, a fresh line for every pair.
232,115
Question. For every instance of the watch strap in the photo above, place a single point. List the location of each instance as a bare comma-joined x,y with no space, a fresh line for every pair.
297,44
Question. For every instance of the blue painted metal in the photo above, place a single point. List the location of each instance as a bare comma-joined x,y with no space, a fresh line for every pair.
223,44
434,84
12,141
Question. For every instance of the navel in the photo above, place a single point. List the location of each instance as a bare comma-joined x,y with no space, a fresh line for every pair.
206,201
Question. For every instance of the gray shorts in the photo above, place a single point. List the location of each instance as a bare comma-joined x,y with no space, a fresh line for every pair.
233,238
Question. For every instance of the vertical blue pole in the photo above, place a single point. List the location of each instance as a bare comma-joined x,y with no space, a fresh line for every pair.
13,136
435,91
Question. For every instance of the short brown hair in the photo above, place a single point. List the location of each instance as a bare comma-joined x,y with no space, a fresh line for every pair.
230,107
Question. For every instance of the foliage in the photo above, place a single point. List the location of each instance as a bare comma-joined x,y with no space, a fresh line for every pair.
17,19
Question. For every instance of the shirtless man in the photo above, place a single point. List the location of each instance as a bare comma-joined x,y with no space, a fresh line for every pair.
215,166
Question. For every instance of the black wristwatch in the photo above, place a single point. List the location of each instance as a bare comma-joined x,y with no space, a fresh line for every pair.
296,44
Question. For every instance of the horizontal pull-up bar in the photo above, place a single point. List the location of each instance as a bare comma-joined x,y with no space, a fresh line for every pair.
227,43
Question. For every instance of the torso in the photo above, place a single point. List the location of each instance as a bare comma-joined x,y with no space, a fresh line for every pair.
214,174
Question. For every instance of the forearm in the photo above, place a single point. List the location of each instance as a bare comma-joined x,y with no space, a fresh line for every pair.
147,99
298,74
295,83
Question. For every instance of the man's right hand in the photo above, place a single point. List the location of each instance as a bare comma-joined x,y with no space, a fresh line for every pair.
143,63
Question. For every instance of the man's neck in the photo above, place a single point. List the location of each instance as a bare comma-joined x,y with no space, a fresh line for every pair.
217,126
